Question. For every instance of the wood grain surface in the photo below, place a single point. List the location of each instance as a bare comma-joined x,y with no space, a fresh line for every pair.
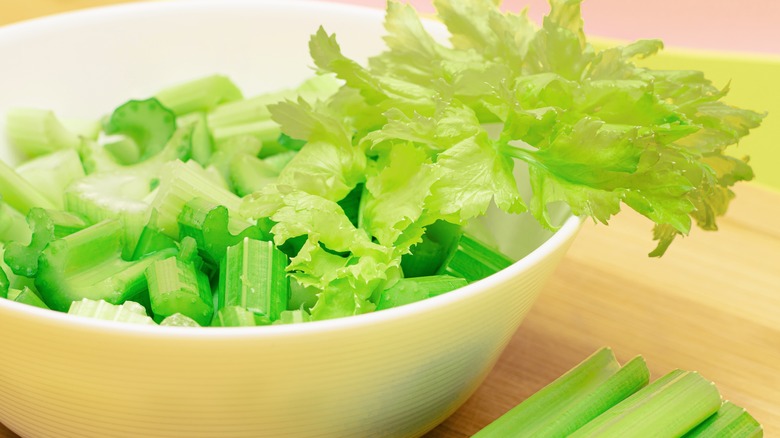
712,304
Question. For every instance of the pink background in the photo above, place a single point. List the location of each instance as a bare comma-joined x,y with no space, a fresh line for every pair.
731,25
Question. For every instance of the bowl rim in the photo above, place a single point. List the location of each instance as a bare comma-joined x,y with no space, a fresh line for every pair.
561,237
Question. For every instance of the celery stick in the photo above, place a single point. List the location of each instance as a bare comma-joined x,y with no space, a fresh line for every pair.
544,407
410,290
129,311
89,264
202,143
150,241
26,296
730,421
37,132
669,407
202,94
176,286
252,275
13,226
213,230
18,193
179,184
236,316
265,131
50,174
147,122
428,256
473,260
46,226
179,320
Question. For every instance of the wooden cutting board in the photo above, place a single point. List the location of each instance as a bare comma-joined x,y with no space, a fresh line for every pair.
712,304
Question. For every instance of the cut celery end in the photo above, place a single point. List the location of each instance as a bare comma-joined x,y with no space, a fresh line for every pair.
176,286
50,174
730,421
410,290
544,407
213,230
147,122
129,311
36,132
249,174
235,316
669,407
473,260
428,256
150,241
253,276
202,94
179,184
179,320
46,226
18,193
26,296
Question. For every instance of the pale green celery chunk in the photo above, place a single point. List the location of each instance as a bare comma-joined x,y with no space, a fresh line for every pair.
179,320
18,193
26,296
37,132
730,421
129,311
202,94
52,173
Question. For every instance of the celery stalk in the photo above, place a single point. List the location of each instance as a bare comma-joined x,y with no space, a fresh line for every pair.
37,132
179,320
26,296
569,392
669,407
473,260
147,122
50,174
730,421
236,316
129,311
13,226
176,286
202,94
18,193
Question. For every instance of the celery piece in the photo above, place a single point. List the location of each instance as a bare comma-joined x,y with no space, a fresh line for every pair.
249,174
46,226
350,204
252,275
236,316
37,132
124,150
570,391
669,407
89,129
150,241
293,317
428,256
13,226
179,184
26,296
473,260
188,251
202,143
213,230
176,286
730,421
18,193
4,284
147,122
89,264
410,290
202,94
96,159
50,174
179,320
225,152
266,131
128,311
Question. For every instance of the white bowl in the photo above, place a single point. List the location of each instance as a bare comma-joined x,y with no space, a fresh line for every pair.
397,372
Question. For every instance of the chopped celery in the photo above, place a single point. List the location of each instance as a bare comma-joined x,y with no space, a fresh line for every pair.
89,129
225,152
202,94
410,290
26,296
179,184
236,316
252,275
89,264
46,226
4,284
96,159
293,317
13,226
37,132
147,122
18,193
50,174
202,143
129,311
249,174
473,260
266,131
669,407
730,421
213,230
428,256
124,150
176,286
179,320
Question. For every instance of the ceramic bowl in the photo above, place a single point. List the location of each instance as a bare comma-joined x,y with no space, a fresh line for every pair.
397,372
